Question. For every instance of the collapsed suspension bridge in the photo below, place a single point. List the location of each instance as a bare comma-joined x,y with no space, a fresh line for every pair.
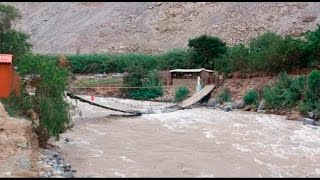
142,109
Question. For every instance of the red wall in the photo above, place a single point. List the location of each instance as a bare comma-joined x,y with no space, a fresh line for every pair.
5,79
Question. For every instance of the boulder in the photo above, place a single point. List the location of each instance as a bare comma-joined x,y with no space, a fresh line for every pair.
247,108
47,168
308,121
261,111
311,114
212,102
294,115
25,163
227,108
262,105
240,104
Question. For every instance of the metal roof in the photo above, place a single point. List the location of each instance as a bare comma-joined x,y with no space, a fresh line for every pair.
191,70
6,58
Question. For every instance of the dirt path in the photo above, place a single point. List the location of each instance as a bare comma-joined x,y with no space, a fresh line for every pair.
196,142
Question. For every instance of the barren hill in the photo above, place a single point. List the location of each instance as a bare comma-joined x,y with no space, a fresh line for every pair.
90,27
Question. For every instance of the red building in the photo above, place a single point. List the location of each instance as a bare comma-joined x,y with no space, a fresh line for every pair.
9,79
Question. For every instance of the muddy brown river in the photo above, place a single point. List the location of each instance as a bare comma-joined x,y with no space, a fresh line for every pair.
198,142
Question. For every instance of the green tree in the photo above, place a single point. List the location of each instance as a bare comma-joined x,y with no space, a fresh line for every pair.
205,49
8,14
175,58
12,41
235,59
49,101
312,47
311,100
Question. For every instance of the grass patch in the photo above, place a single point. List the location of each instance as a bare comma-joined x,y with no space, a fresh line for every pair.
98,82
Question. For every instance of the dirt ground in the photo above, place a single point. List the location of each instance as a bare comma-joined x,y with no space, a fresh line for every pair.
18,147
198,142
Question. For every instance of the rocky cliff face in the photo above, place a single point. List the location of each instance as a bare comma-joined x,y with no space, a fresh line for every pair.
18,147
89,27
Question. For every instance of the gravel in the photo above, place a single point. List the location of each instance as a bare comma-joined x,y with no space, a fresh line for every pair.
52,165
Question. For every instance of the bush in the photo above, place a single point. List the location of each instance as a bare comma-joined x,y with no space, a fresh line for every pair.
311,49
181,94
251,97
151,88
285,93
205,49
174,59
311,100
224,96
235,59
108,63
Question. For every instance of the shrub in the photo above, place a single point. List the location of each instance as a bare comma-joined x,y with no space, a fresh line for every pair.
285,93
311,100
181,94
151,88
205,49
106,63
173,59
224,96
311,49
235,59
251,97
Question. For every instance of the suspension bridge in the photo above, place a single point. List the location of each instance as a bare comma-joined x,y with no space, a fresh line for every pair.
138,109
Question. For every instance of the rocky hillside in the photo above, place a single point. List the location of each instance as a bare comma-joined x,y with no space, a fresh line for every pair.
18,147
89,27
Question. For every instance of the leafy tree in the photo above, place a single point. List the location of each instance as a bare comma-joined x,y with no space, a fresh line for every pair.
312,47
205,49
285,93
235,59
267,47
49,102
11,41
8,14
311,100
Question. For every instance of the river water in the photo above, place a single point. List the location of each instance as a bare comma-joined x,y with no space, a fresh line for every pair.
198,142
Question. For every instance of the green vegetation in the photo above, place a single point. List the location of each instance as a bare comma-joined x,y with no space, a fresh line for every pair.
181,94
285,93
205,49
106,63
268,52
48,101
175,59
311,100
251,97
149,81
151,88
224,96
98,82
11,41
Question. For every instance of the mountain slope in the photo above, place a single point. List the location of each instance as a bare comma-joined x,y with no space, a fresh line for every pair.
147,27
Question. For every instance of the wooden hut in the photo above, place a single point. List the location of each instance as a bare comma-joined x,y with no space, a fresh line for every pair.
206,75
